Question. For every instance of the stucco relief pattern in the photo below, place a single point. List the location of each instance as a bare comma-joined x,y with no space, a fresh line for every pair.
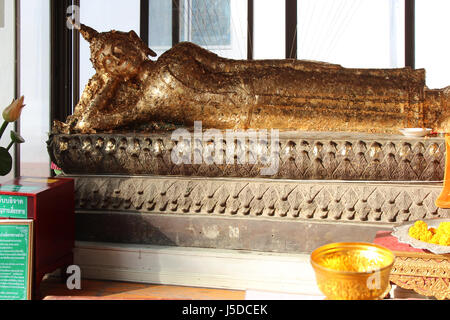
260,198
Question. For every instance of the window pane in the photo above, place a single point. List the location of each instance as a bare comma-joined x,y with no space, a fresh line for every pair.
7,78
160,25
105,16
353,33
206,22
35,86
269,29
217,25
432,45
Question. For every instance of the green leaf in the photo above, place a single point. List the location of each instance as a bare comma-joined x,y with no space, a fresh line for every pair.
5,162
16,138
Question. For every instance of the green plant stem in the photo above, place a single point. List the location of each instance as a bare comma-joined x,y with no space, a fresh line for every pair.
10,145
3,128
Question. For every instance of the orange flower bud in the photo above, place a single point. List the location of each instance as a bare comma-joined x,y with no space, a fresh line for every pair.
13,111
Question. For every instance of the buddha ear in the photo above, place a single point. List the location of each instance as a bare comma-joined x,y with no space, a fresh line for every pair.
88,33
141,44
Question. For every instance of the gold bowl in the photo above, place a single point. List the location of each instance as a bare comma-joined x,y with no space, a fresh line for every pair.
352,271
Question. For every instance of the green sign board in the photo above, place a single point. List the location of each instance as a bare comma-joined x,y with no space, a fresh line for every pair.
13,207
15,259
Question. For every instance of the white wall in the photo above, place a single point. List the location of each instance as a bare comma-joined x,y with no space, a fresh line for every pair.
7,68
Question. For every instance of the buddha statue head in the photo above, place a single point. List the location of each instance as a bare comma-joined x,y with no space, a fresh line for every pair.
120,54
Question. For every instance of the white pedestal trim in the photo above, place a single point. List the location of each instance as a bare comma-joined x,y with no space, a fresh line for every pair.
211,268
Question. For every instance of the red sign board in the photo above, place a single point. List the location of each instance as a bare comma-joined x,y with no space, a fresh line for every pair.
50,204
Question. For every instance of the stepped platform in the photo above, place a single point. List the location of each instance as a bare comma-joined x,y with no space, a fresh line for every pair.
328,187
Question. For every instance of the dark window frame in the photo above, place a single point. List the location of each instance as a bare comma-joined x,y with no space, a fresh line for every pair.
16,165
410,34
291,29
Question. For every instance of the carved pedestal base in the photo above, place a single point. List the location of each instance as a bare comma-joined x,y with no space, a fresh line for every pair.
426,274
244,214
301,156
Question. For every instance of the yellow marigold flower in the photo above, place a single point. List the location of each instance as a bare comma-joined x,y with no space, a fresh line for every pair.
421,224
418,229
440,236
426,236
445,227
435,239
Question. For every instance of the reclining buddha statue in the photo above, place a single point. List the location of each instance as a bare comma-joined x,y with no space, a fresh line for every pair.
188,83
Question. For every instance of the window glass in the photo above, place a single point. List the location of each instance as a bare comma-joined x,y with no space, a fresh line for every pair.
432,45
206,22
35,86
353,33
269,29
105,16
217,25
160,25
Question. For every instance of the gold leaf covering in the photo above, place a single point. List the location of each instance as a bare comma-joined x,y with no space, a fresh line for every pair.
188,83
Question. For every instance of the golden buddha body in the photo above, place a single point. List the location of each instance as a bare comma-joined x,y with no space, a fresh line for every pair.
188,83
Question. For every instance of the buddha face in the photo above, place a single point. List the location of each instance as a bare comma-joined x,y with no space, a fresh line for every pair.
120,54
